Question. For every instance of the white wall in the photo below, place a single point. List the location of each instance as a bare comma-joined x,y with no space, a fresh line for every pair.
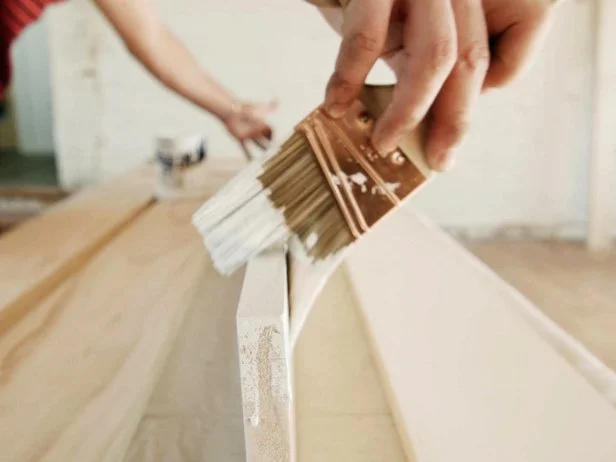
31,90
524,164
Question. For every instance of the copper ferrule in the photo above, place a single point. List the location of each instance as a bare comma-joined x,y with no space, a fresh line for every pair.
366,184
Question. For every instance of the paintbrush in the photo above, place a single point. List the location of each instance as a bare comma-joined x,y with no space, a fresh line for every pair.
321,190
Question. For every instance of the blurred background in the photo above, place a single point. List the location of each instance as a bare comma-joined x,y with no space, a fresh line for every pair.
82,110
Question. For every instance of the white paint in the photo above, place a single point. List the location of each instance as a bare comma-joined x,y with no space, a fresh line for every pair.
525,162
311,240
360,179
392,187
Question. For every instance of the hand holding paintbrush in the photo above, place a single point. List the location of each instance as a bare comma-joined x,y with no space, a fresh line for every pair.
443,53
324,188
358,157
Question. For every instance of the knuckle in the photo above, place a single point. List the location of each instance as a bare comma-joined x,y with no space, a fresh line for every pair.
363,42
342,87
406,119
453,130
475,57
441,54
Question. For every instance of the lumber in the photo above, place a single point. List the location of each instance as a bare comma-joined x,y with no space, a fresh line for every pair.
195,411
43,251
265,360
473,370
78,369
306,281
342,410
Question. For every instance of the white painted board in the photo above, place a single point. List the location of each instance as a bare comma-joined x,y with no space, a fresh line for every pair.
265,360
473,371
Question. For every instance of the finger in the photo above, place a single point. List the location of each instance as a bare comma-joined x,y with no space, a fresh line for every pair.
246,152
429,54
260,141
364,32
267,133
451,112
261,111
513,48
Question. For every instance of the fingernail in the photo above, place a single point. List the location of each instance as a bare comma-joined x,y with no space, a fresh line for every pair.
335,110
443,162
385,148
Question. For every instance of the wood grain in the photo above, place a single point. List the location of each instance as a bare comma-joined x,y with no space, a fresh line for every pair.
195,411
43,251
474,371
77,370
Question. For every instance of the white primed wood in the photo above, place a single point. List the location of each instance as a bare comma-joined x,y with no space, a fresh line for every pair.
265,360
469,377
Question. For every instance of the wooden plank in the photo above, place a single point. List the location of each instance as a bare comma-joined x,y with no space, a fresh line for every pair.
43,251
342,411
195,411
265,360
572,286
474,371
306,281
602,180
78,369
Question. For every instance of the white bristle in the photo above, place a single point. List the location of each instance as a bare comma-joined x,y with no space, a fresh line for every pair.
239,221
268,203
245,233
239,190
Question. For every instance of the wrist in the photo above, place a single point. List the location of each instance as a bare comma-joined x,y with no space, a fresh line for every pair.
234,109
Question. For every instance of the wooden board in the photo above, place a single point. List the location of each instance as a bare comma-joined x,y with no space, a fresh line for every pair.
265,360
572,286
43,251
474,372
342,411
306,281
78,369
195,411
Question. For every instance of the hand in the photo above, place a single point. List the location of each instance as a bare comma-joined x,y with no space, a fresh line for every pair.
443,53
246,122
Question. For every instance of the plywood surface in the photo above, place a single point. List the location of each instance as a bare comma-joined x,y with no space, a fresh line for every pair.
195,411
40,253
77,370
470,374
342,413
577,289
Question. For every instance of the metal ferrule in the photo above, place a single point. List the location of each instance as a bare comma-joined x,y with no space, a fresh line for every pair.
366,184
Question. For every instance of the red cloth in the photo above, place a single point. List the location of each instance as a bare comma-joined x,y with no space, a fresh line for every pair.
15,16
